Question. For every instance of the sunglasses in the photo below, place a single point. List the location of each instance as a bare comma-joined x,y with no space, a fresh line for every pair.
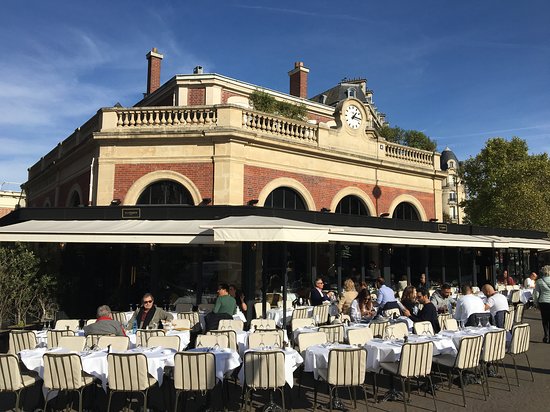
147,301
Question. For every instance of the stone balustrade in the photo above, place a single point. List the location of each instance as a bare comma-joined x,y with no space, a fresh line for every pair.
409,154
166,116
280,126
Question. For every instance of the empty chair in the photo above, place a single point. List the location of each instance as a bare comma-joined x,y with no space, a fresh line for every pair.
359,336
118,343
127,372
346,369
300,313
70,324
265,339
262,324
264,370
184,307
396,331
54,335
63,372
231,337
321,314
514,296
194,372
210,341
305,340
72,343
450,324
301,323
11,377
258,308
467,358
423,328
494,351
181,324
518,317
120,316
520,345
143,334
89,322
378,328
415,362
194,319
21,340
168,342
441,318
233,324
335,333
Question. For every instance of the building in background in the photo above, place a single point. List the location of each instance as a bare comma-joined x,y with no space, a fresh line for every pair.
11,198
453,188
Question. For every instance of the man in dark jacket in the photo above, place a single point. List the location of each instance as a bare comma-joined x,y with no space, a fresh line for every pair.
428,312
105,324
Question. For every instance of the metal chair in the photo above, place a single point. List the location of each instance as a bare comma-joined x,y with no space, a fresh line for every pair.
127,372
360,336
194,372
89,322
321,314
494,351
92,339
450,324
378,328
262,324
54,335
300,313
181,324
305,340
264,370
143,334
193,317
520,344
518,317
509,318
21,340
67,324
119,343
168,342
12,379
423,328
396,331
232,324
265,339
441,318
121,317
346,369
258,308
210,341
335,333
63,372
72,343
231,337
415,362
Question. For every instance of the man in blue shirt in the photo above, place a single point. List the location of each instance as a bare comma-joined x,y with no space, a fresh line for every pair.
386,296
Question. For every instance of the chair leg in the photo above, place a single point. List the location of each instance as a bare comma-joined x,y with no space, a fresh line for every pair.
482,386
366,396
515,369
405,397
375,387
176,401
462,387
108,403
433,391
530,370
46,401
80,395
506,375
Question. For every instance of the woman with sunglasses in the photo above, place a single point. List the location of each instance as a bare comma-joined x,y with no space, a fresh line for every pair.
148,315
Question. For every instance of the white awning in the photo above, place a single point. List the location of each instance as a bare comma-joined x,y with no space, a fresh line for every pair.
501,242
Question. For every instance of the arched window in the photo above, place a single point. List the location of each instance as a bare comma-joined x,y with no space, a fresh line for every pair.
165,192
405,211
352,205
285,198
75,199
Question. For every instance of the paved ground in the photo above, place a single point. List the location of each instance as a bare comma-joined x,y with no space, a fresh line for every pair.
529,396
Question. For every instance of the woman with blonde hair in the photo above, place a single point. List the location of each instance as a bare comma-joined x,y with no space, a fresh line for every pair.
347,297
541,300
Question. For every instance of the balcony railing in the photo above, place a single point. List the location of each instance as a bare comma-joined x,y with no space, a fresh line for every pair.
166,116
409,154
280,126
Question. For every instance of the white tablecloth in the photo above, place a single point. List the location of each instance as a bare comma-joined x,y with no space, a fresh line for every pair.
292,360
242,340
456,336
316,357
184,335
226,360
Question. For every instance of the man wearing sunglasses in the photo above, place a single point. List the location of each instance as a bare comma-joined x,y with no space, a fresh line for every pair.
148,314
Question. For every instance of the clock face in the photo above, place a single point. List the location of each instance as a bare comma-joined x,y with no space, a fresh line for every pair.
353,116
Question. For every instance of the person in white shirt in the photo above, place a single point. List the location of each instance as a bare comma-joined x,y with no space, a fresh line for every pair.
530,281
468,304
496,303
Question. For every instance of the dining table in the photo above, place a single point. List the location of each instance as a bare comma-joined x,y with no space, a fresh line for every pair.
227,360
316,356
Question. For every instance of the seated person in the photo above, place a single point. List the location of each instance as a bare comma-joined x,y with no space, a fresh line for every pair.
441,298
529,283
467,305
148,315
362,307
386,297
104,324
496,304
225,308
348,296
317,296
408,300
428,311
239,298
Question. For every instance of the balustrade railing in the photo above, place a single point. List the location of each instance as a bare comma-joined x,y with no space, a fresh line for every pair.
169,116
409,154
280,126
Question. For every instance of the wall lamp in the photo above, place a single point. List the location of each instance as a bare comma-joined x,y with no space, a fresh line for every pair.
325,210
252,202
205,201
434,219
385,214
115,202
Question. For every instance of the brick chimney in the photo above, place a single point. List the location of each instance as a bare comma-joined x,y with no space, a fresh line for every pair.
298,80
153,70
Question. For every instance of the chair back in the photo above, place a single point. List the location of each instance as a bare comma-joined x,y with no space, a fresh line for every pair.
92,339
193,317
518,317
181,323
469,352
396,331
482,318
359,336
120,316
206,307
501,288
494,346
21,340
335,333
450,324
416,359
10,374
258,308
194,371
346,366
378,328
300,313
265,339
232,324
143,334
168,342
520,339
262,324
127,372
264,369
423,328
231,337
118,343
70,324
54,335
390,313
63,371
209,341
305,340
321,314
515,296
301,323
72,343
441,319
184,307
89,322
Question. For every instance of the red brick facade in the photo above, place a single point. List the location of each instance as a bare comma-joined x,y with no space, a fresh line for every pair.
64,190
227,94
201,174
196,97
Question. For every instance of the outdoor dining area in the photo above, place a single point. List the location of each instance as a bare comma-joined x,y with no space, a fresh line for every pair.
285,358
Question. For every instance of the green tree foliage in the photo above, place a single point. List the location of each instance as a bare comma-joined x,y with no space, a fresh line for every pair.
507,187
411,138
264,102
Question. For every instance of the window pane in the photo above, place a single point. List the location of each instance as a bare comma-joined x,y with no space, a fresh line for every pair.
165,192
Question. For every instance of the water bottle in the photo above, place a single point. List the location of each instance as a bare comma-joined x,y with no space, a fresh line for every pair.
134,327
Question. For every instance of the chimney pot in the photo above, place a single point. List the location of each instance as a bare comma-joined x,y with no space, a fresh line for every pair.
197,70
298,80
153,70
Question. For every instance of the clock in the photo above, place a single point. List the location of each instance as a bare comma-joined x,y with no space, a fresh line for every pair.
353,116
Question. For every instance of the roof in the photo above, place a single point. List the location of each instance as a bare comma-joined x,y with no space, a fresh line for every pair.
446,155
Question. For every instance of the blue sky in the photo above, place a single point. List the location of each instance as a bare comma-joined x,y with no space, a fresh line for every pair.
462,72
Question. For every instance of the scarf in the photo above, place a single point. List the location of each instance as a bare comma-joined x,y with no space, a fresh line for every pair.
147,319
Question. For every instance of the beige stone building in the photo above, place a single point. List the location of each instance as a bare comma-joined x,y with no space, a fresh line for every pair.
10,199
